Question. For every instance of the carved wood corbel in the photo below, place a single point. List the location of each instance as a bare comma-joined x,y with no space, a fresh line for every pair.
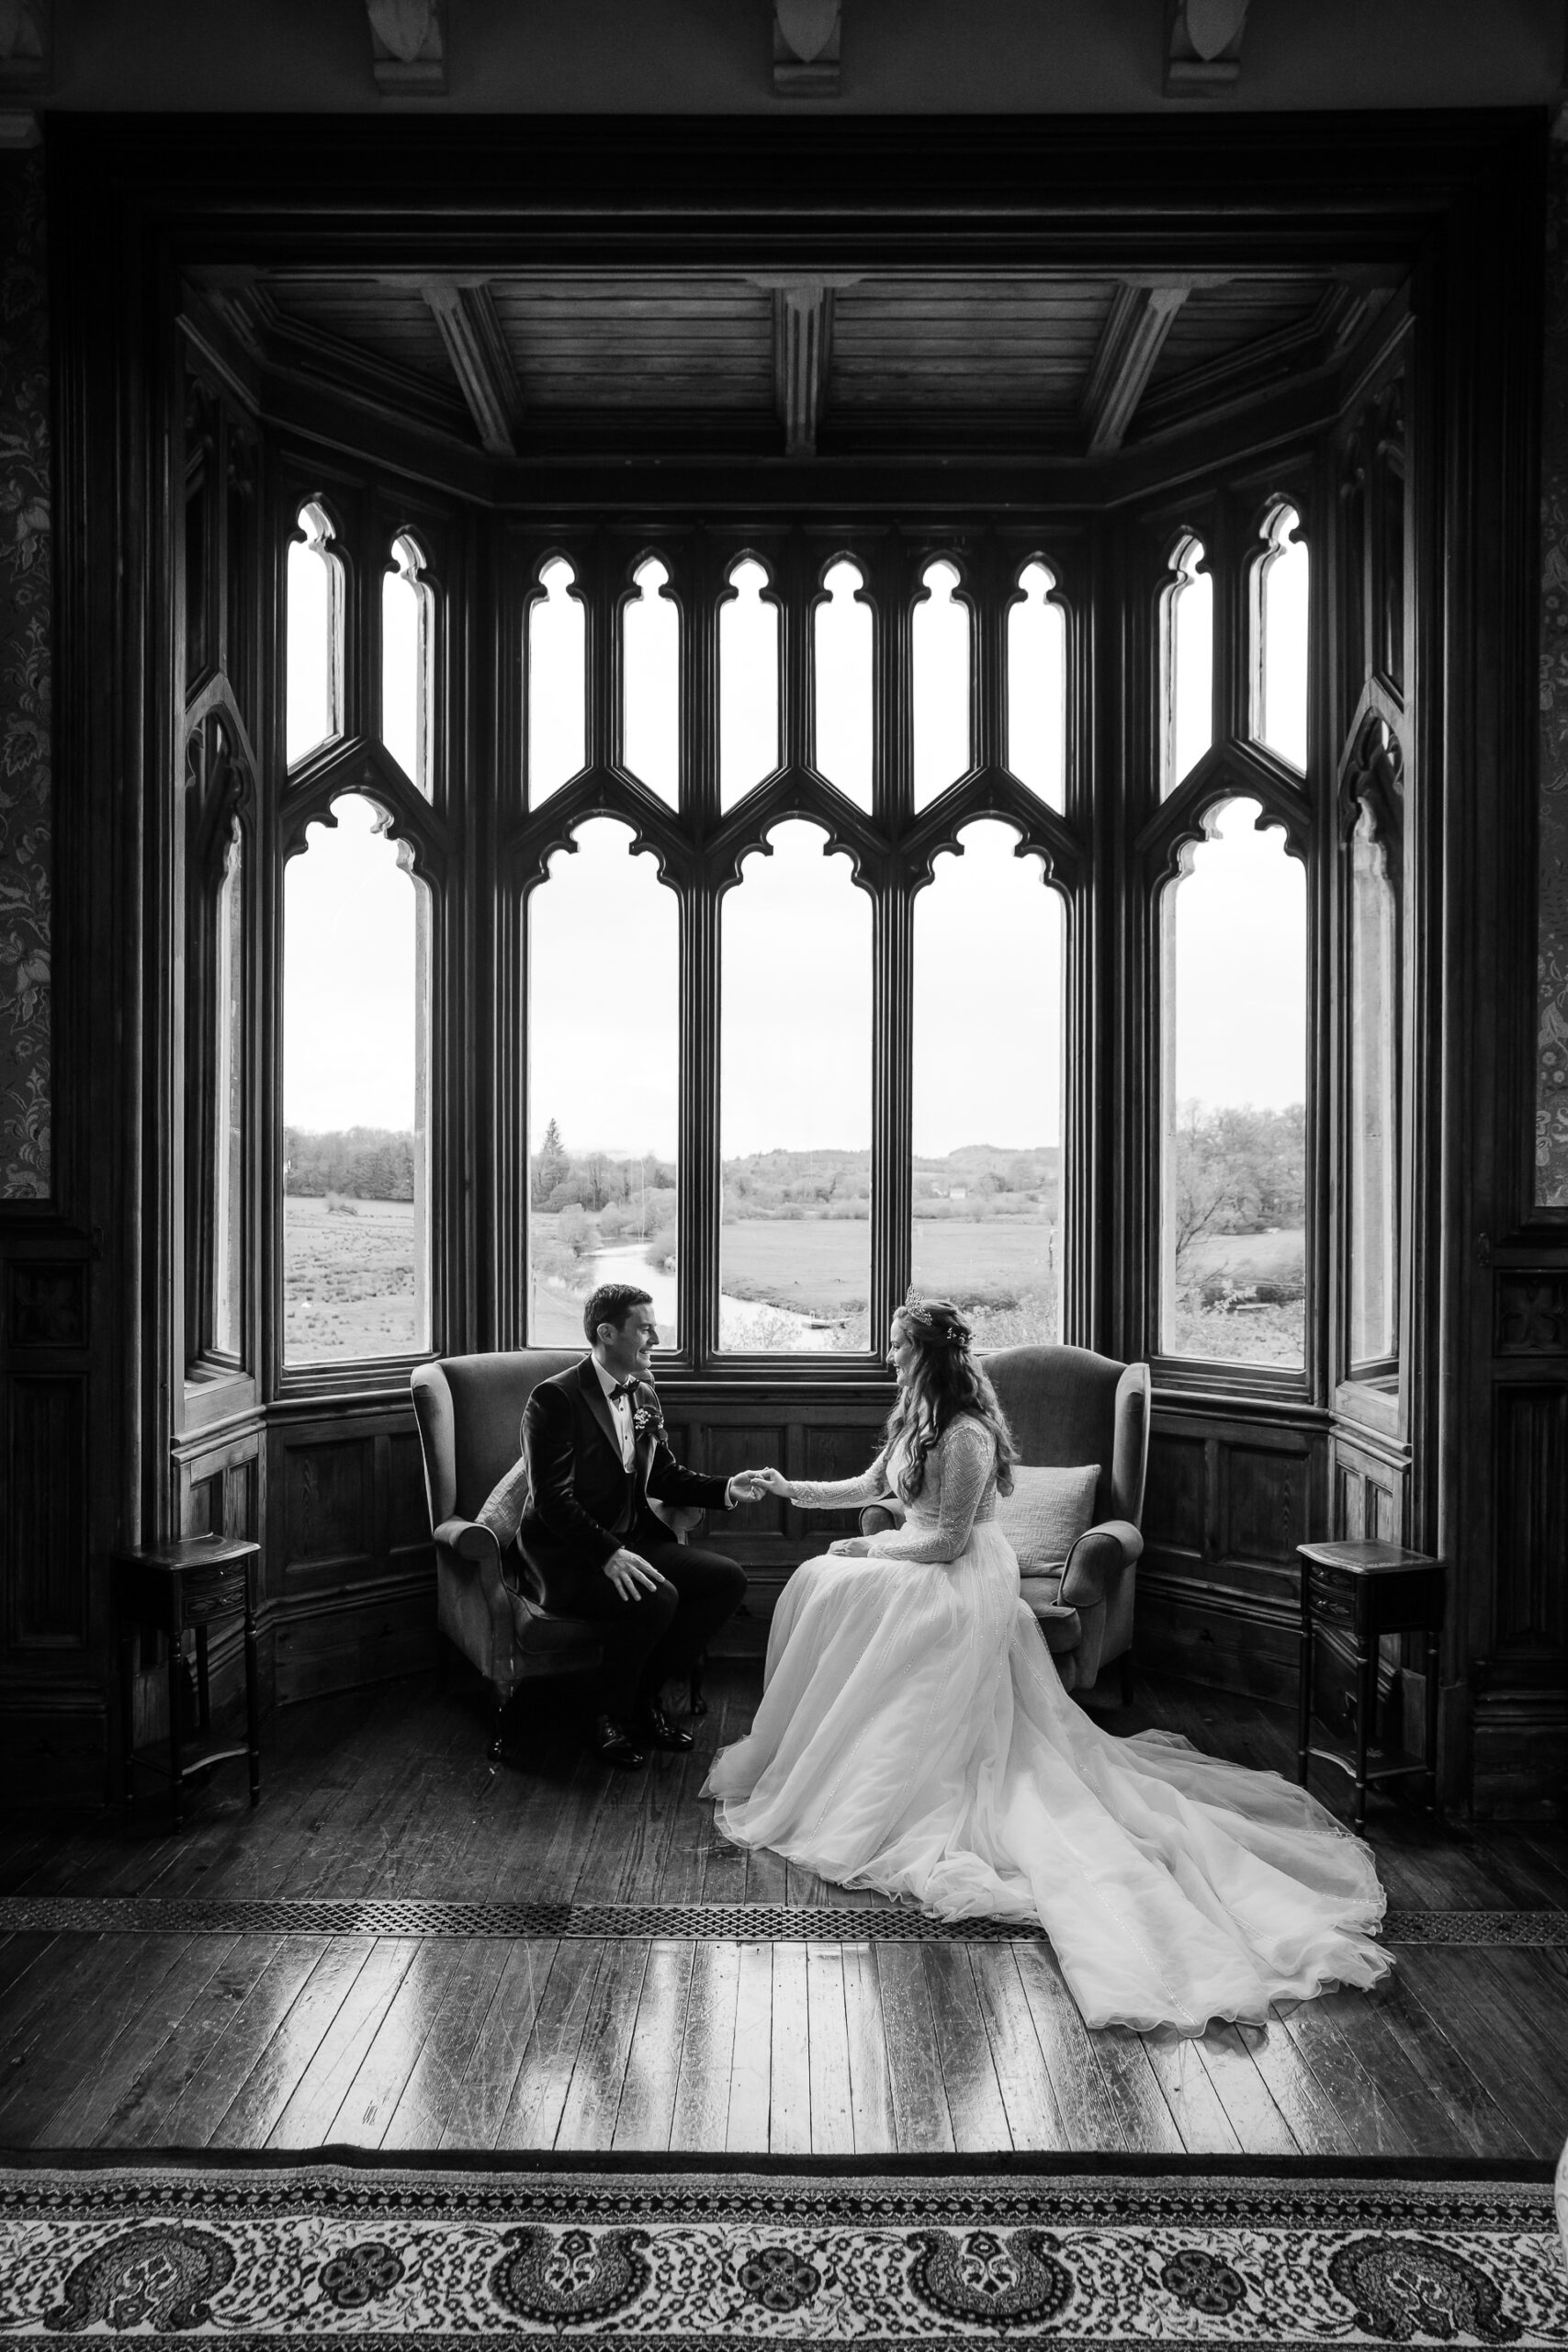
27,67
1203,47
803,347
805,47
408,47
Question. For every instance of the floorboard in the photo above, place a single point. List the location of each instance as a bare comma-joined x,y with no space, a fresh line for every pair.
189,2033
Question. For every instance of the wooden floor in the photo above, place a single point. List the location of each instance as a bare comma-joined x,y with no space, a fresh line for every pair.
259,2039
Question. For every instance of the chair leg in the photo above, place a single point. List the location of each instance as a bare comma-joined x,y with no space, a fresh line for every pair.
699,1704
1126,1678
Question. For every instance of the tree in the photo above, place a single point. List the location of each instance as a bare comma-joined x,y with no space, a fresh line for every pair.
550,1166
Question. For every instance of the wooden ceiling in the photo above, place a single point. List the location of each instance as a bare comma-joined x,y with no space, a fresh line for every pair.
1078,362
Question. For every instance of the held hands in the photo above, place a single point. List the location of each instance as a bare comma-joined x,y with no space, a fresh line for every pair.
751,1486
631,1574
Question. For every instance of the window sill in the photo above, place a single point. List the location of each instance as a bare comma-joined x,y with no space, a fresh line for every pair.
1374,1404
215,1392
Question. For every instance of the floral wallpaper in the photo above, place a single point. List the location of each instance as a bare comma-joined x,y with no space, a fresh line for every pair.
25,774
1551,1057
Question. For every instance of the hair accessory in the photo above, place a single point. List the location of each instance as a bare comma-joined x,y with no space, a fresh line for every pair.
915,1307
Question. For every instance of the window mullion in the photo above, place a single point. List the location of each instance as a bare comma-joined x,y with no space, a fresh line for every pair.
700,1182
892,1063
987,586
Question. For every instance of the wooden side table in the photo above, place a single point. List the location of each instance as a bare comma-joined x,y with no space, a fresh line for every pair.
171,1589
1367,1590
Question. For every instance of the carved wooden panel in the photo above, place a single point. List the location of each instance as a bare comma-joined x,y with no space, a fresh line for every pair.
46,1481
1530,1608
1174,1513
748,1446
1266,1503
46,1303
329,1503
1532,1314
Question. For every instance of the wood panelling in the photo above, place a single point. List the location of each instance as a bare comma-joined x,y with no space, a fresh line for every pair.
329,1507
1265,1493
1530,1608
46,1304
339,1643
349,1571
46,1481
1228,1500
1174,1498
828,1455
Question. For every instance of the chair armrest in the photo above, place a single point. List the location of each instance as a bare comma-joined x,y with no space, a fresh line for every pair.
467,1539
877,1518
1097,1557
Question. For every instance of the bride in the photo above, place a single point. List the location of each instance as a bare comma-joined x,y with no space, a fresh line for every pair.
914,1736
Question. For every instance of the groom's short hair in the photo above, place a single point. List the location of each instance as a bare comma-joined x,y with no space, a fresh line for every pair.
611,1303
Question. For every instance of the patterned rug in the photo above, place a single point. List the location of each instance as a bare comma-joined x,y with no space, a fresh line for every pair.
328,2252
131,1914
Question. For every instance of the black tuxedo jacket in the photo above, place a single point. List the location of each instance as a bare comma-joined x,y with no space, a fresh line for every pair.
581,1502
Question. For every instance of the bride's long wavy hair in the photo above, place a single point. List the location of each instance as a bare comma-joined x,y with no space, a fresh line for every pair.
946,1381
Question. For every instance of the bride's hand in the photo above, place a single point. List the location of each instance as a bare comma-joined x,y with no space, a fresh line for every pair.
772,1481
852,1547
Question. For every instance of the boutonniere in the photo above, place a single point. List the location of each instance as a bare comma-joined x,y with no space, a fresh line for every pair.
647,1421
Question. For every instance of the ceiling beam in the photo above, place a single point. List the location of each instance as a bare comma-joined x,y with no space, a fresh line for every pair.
1133,337
470,330
1203,47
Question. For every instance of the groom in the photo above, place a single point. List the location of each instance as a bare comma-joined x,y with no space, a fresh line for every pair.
594,1444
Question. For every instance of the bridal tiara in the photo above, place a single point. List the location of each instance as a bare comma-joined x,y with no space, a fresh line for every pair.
915,1309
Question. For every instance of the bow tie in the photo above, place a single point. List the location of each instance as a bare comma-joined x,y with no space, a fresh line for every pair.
622,1388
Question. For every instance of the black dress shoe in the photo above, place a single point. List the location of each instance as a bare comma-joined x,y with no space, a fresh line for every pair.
655,1728
615,1745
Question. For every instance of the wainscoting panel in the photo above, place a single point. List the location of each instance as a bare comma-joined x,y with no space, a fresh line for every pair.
350,1570
1228,1500
1518,1639
46,1480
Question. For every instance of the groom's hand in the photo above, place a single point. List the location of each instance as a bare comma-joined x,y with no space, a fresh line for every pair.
631,1574
745,1486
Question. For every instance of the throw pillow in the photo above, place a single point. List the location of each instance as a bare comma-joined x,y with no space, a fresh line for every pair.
1046,1512
502,1509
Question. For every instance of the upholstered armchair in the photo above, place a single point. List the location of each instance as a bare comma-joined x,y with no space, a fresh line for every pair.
1067,1408
470,1410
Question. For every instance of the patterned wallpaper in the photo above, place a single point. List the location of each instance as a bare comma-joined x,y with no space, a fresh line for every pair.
1551,1057
24,634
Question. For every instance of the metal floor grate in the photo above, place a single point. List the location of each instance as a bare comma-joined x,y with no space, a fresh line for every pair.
671,1922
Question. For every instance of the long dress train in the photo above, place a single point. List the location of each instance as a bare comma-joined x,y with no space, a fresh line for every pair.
914,1736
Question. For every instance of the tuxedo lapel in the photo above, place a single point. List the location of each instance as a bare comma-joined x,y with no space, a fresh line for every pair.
598,1405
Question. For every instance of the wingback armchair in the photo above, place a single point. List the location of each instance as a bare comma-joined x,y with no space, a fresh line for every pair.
1068,1407
470,1410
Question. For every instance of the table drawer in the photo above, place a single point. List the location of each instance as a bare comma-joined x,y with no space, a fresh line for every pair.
216,1591
1333,1595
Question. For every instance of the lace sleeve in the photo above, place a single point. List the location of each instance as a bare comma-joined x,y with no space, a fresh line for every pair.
842,1494
964,1460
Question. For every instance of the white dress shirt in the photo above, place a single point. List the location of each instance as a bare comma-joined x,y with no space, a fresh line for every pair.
620,1413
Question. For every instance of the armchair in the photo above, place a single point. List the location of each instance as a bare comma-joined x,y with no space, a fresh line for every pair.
469,1411
1067,1405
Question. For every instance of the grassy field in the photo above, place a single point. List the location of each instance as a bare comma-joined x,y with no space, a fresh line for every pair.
348,1280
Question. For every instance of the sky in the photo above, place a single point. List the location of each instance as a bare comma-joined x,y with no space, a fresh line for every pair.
795,964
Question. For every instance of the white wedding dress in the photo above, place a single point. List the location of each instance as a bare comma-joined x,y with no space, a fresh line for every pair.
914,1736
